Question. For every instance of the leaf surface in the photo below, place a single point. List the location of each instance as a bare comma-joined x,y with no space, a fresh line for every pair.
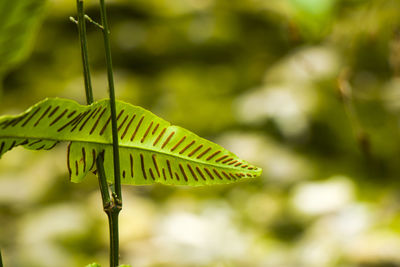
151,149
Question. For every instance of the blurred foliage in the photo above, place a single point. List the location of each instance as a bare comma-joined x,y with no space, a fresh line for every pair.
97,265
19,22
309,90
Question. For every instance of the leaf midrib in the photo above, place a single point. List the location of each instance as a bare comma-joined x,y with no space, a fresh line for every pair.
125,146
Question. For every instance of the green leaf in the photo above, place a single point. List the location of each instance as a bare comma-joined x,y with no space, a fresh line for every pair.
19,23
151,149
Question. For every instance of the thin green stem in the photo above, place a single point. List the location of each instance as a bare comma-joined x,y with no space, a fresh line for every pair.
111,207
105,195
113,210
84,51
1,261
106,33
113,226
93,22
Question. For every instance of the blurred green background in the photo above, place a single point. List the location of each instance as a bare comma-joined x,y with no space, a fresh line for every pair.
309,90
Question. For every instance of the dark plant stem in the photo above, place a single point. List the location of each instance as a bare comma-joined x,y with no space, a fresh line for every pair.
112,209
110,76
114,206
113,226
1,261
105,195
84,52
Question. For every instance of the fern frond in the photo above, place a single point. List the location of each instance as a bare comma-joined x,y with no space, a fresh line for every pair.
151,149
